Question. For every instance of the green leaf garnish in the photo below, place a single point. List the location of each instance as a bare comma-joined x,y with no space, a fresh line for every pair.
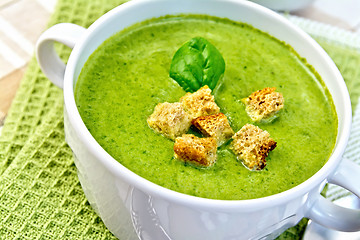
197,63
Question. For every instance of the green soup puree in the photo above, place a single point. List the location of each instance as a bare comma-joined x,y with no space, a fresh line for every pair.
128,75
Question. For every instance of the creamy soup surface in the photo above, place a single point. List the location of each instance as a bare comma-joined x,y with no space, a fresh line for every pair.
128,75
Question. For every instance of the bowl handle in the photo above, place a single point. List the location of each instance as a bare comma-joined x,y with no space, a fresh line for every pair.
330,215
49,61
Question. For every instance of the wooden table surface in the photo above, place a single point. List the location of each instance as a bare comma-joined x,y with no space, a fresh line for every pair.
22,21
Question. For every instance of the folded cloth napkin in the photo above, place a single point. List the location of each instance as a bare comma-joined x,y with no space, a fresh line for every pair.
40,194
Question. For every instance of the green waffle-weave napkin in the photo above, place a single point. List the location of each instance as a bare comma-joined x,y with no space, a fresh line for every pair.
40,195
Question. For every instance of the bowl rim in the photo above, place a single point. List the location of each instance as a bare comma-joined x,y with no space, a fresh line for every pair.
153,189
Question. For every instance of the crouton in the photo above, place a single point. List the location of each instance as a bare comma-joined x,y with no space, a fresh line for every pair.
195,150
169,119
216,126
200,103
264,104
252,145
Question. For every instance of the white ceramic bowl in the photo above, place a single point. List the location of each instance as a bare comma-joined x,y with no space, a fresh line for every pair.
131,206
284,5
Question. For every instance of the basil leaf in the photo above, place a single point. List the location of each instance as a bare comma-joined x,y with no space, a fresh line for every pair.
197,63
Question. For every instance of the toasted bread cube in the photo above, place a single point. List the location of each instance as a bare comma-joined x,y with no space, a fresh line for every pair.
200,103
252,145
216,126
169,119
263,104
195,150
